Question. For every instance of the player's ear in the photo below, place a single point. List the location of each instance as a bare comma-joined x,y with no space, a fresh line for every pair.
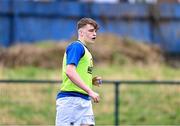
80,32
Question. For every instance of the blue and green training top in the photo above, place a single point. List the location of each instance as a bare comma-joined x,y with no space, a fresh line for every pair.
77,54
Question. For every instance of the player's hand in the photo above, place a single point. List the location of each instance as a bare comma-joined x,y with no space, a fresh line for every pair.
94,96
97,81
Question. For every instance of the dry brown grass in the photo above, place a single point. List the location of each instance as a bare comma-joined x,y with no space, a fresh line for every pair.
108,49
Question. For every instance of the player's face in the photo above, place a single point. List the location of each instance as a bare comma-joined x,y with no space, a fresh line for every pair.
89,33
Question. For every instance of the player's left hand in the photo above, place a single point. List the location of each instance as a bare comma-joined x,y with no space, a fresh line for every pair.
97,81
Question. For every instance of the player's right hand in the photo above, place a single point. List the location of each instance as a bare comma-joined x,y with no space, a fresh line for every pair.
94,96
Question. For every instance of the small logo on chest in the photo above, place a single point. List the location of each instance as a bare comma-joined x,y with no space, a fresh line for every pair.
90,69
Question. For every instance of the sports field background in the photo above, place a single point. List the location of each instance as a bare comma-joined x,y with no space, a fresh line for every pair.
34,104
115,58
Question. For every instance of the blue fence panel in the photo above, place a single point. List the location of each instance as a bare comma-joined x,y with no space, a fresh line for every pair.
41,29
30,21
4,23
130,29
170,11
4,31
4,6
168,36
53,8
120,10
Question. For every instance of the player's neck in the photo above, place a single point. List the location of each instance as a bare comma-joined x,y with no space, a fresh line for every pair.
82,41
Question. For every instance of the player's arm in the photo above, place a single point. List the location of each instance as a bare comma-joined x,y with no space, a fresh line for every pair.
76,79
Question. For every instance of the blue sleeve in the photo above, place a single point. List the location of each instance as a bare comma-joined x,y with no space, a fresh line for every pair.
74,52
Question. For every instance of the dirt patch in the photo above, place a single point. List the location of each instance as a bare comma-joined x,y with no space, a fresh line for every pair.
108,49
112,49
31,55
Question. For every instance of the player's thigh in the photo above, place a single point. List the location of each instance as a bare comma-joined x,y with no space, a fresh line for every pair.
64,109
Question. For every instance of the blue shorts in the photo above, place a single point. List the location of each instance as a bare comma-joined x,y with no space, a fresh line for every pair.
74,111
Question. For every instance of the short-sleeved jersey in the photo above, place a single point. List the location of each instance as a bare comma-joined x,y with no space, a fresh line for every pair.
77,54
74,52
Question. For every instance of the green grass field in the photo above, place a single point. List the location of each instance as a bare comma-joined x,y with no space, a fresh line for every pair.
34,104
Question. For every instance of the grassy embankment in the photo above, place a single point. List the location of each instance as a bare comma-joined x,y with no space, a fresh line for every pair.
139,104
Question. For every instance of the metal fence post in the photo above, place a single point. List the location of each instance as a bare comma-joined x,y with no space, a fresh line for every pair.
116,111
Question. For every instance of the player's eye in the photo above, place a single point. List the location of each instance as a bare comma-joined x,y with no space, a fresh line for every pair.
91,30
